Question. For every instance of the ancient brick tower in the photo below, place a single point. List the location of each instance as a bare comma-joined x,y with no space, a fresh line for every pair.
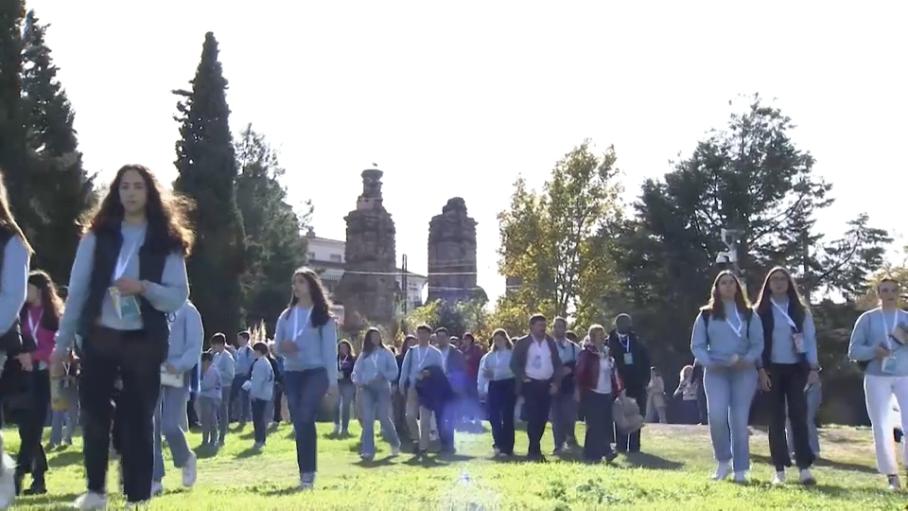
452,254
368,289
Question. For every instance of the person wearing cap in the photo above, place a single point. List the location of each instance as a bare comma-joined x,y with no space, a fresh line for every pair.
633,364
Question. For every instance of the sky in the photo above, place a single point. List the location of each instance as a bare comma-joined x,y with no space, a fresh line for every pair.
461,98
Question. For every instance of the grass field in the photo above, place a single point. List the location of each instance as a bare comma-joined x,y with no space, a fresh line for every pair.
672,474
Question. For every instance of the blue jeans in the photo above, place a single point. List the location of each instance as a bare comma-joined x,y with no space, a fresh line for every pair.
208,417
305,390
70,417
345,396
239,399
169,418
375,402
224,414
729,394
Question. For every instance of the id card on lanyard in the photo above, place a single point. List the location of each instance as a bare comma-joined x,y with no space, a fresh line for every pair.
626,344
796,336
126,307
888,364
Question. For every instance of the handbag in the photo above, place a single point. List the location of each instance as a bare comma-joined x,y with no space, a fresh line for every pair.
626,415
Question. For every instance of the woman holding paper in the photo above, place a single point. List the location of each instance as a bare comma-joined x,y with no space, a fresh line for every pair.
878,344
728,341
128,275
789,365
307,339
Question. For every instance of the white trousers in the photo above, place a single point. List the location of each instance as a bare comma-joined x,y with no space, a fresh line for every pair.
878,394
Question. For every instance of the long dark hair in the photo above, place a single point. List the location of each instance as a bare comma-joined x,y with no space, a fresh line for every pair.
7,221
368,347
349,345
51,304
166,215
321,306
715,308
797,309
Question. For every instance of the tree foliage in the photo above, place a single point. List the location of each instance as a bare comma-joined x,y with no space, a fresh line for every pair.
207,174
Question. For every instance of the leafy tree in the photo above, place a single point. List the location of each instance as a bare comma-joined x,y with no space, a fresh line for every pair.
551,241
274,244
61,188
207,167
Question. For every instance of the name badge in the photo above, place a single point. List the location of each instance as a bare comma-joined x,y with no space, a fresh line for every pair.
628,359
537,362
799,342
888,365
126,307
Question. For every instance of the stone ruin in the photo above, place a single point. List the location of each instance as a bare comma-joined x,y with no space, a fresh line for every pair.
368,289
452,255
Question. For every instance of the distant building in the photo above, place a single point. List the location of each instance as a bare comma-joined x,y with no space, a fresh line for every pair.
326,257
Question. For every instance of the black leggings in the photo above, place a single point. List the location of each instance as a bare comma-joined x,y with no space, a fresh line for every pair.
31,428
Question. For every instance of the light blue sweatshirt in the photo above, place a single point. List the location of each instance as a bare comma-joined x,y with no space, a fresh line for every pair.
262,380
13,282
873,329
417,359
211,385
783,347
316,346
568,350
245,357
226,365
185,343
715,348
378,364
499,361
167,297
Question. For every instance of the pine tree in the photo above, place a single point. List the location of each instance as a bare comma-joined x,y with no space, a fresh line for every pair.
61,188
14,158
275,246
207,174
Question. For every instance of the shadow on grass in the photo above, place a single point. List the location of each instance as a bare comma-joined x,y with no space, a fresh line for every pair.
277,492
646,460
375,463
205,452
838,465
423,461
66,458
248,453
49,501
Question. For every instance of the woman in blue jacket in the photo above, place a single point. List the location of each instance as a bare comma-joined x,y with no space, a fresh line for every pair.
373,373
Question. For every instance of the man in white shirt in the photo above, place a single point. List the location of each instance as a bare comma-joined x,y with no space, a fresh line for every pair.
537,368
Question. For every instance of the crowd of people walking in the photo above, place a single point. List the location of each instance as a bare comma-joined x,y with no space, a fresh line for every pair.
124,359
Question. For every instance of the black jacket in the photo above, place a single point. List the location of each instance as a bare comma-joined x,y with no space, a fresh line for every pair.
434,390
636,375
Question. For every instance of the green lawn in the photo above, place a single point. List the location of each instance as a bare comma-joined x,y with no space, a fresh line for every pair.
673,474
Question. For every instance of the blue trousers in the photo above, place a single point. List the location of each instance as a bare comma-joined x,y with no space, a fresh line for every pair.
305,390
169,418
729,394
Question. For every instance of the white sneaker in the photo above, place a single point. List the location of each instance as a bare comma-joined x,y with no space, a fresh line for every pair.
722,471
7,481
190,471
307,482
157,488
91,501
807,478
136,506
894,483
395,452
741,477
779,478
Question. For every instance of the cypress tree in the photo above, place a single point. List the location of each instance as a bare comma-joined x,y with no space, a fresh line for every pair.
13,153
207,174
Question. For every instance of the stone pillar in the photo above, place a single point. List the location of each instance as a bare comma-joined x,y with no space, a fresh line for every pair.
368,290
452,254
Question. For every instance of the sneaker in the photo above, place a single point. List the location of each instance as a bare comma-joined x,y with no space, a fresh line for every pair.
807,478
91,501
558,451
779,478
258,446
741,477
136,506
395,452
722,471
307,481
610,457
894,483
337,430
37,488
190,471
157,488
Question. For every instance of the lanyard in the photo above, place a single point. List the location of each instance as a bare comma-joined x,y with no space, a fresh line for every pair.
342,361
34,324
784,314
895,324
625,341
123,259
737,329
297,331
421,354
